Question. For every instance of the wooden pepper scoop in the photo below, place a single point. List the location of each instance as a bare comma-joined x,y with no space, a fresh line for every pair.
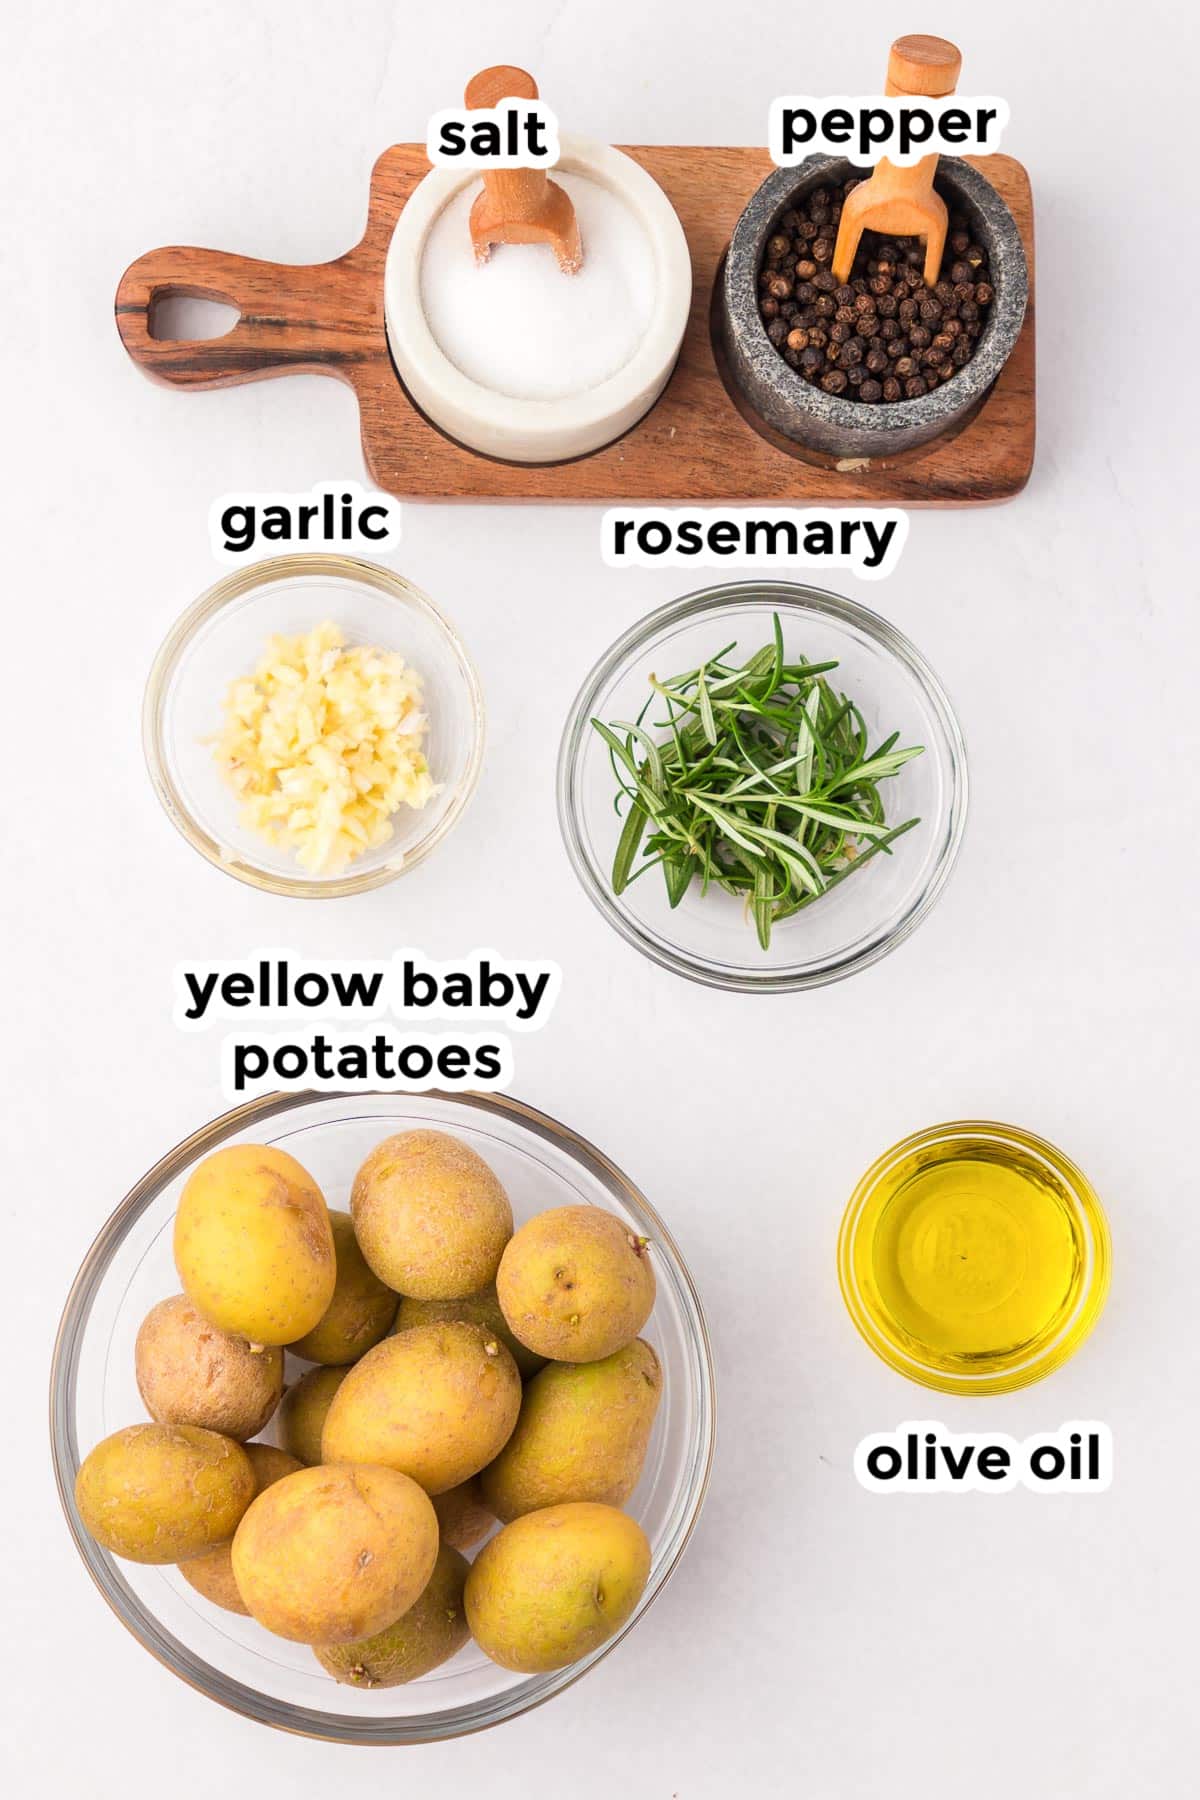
520,206
901,202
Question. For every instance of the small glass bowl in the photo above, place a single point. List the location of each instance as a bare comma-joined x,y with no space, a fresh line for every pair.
223,635
709,938
987,1245
93,1392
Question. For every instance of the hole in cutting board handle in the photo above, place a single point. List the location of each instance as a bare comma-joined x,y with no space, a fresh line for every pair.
176,317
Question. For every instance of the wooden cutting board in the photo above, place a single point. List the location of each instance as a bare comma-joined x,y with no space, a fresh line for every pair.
695,445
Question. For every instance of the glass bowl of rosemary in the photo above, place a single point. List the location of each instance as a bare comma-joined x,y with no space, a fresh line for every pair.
763,786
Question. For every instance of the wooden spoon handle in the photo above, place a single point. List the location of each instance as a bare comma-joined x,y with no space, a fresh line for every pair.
516,193
929,66
295,318
902,200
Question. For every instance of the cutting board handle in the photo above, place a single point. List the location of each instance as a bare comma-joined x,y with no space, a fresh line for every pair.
294,318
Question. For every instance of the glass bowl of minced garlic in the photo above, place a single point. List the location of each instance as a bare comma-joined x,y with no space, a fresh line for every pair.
313,725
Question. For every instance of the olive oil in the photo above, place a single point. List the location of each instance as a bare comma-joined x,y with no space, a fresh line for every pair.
974,1257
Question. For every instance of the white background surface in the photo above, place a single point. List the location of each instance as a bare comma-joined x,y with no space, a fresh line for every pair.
817,1641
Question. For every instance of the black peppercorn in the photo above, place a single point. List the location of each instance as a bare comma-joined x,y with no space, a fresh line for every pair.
883,333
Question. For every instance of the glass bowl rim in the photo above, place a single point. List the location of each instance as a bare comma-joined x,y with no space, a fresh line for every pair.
1086,1205
797,597
238,1697
265,573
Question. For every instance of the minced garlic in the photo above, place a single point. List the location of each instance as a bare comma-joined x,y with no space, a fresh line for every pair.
322,744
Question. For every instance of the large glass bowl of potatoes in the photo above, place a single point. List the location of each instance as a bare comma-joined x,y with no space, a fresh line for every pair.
452,1506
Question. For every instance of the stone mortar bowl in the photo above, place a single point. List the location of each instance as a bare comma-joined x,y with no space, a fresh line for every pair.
787,403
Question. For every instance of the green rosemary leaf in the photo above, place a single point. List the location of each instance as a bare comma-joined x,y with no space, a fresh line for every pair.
628,845
706,711
678,875
764,906
654,761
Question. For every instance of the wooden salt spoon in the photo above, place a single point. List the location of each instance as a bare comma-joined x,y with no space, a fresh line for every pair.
902,202
520,206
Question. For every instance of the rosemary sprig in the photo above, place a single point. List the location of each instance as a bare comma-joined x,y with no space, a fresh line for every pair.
764,784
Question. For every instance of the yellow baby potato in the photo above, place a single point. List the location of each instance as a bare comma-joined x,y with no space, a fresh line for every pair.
576,1284
163,1493
483,1309
554,1585
431,1217
437,1402
330,1555
304,1411
463,1515
361,1311
428,1634
189,1373
253,1244
582,1434
212,1574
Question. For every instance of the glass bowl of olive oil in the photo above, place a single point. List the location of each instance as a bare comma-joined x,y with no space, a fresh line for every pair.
974,1258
